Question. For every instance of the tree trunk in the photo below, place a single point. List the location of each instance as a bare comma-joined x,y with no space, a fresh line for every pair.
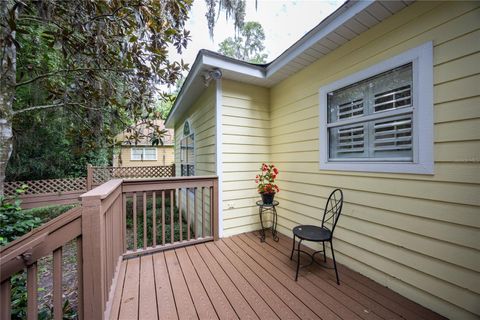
7,88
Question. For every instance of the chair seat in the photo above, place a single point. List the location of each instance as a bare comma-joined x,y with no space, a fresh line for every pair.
312,233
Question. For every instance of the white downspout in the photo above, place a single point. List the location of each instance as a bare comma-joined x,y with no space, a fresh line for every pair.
218,152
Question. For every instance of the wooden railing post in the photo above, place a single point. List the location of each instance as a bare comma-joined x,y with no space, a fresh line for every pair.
173,170
215,209
93,263
5,292
89,177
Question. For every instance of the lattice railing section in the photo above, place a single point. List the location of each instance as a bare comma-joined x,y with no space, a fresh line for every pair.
47,186
103,174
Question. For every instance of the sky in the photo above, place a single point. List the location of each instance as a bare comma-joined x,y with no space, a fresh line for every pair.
284,23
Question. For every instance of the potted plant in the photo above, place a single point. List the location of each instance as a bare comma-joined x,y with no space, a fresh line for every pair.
266,182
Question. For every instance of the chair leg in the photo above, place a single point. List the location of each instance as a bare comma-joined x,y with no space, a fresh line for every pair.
334,262
298,258
293,247
324,253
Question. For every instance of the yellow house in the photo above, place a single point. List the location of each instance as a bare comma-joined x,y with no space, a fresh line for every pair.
143,153
381,99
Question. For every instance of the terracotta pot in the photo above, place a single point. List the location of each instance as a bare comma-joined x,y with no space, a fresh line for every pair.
267,198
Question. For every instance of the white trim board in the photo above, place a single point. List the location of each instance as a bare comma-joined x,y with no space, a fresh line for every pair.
218,152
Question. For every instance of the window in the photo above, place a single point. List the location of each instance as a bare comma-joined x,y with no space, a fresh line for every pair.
141,154
187,155
380,119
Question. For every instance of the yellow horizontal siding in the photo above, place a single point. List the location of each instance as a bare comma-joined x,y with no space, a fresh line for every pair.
202,123
417,234
201,116
246,144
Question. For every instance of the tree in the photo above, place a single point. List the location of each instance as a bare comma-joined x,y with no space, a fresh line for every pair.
99,60
233,9
247,45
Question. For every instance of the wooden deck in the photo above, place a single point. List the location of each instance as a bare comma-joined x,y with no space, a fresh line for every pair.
239,277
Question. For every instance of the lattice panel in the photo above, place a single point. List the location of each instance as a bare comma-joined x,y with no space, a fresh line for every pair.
103,174
47,186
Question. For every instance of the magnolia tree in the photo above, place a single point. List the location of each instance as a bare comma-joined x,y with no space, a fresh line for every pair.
99,59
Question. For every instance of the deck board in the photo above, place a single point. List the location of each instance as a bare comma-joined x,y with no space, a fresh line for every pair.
202,302
277,305
217,297
129,304
368,288
242,278
300,302
147,309
183,300
165,300
324,299
253,299
327,291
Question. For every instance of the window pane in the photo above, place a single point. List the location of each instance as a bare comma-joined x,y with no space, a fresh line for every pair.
137,153
393,89
190,150
393,138
348,142
346,103
150,154
387,91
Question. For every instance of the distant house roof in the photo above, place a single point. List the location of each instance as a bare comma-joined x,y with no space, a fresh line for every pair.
347,22
145,133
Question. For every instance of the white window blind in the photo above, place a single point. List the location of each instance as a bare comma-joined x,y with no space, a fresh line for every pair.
371,120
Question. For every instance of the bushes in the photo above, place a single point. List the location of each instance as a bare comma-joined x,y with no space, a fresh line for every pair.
14,223
176,223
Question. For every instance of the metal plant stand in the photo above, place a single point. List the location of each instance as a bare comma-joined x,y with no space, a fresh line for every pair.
262,208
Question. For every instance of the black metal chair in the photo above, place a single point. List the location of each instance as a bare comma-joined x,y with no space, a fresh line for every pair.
332,212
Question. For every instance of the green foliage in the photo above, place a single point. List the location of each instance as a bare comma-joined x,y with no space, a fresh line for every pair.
85,71
14,222
158,217
50,144
46,313
50,212
164,105
247,45
19,296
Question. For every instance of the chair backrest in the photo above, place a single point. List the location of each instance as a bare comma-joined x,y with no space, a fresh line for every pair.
333,208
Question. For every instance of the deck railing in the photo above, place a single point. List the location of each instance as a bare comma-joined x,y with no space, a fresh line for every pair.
117,220
169,213
99,175
25,252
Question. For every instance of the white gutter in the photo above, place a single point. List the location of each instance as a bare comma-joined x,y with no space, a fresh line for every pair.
225,63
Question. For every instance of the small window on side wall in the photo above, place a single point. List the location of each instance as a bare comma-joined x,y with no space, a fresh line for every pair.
187,152
381,119
142,154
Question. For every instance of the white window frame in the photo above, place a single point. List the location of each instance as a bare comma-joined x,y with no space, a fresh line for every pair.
142,157
421,58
